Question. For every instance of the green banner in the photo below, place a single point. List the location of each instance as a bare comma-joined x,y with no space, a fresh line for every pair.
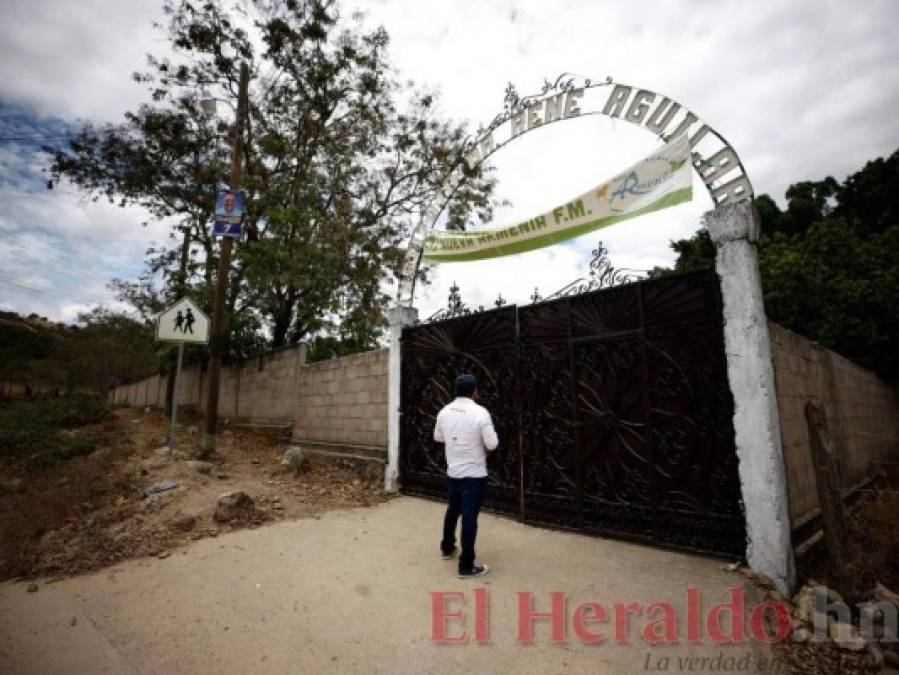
660,180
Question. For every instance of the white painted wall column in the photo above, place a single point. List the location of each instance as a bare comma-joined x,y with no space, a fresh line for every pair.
734,229
398,317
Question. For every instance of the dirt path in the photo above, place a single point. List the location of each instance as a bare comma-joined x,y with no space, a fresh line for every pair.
94,511
348,593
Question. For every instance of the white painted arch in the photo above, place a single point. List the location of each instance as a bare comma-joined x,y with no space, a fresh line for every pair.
571,96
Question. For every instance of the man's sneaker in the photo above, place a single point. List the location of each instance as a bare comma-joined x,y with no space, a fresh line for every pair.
448,556
476,571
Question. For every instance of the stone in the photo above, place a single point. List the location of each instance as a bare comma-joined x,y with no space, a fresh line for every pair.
32,588
163,451
799,631
162,486
73,621
254,461
293,460
804,601
233,505
200,466
884,594
845,636
834,598
183,523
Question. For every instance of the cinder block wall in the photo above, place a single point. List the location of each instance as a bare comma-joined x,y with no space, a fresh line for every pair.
340,401
862,415
267,385
344,401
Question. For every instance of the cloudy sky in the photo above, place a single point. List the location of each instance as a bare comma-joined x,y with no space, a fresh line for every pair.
801,89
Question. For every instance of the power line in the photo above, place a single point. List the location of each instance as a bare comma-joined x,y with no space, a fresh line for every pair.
11,139
38,291
54,135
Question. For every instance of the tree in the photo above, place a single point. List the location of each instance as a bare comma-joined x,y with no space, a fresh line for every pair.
828,263
108,349
340,159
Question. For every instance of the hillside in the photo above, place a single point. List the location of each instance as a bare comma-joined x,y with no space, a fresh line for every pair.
104,349
30,352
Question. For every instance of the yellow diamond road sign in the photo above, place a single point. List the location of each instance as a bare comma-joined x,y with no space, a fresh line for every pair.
183,322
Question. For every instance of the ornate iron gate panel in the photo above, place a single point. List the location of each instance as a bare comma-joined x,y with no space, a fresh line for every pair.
612,407
433,355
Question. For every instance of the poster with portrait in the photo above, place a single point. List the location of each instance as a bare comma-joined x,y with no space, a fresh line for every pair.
228,214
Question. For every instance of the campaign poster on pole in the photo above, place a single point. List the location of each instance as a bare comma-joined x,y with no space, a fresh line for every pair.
229,209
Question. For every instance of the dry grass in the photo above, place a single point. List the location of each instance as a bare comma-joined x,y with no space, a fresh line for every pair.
58,499
874,540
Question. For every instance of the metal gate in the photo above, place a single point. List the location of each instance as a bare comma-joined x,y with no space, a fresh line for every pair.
612,408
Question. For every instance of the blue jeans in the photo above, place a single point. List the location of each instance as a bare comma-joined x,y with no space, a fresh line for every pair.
465,498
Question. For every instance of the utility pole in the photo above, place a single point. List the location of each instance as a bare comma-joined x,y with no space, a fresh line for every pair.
219,320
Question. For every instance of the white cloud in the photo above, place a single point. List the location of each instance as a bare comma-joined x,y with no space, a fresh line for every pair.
801,90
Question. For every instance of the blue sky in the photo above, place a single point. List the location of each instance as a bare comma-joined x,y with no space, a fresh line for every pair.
59,249
801,89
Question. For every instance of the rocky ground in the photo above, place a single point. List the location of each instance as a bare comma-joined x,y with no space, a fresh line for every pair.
131,498
842,648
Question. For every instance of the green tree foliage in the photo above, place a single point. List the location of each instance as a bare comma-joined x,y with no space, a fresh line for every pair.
108,349
27,347
341,157
101,350
830,263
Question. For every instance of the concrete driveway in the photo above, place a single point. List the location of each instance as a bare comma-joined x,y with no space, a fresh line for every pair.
351,593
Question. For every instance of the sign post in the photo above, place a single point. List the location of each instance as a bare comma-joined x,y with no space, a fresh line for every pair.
182,323
175,397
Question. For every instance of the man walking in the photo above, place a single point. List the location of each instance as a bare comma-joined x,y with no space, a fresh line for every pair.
467,430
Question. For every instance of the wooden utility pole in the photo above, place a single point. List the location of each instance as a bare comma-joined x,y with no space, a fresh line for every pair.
219,336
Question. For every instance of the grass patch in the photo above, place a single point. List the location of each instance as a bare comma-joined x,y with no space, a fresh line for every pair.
40,432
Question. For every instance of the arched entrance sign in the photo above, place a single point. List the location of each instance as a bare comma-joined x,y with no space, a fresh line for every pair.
570,97
733,227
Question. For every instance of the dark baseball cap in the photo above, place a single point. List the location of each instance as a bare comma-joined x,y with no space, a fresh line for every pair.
465,384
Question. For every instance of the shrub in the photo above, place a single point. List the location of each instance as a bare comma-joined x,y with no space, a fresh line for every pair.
42,431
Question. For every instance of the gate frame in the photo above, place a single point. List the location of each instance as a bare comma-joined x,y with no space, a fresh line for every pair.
734,231
734,228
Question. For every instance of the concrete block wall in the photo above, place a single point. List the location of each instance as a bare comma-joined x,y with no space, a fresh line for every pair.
344,401
340,401
862,414
268,385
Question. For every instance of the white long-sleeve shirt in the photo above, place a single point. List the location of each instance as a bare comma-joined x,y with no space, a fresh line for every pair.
467,430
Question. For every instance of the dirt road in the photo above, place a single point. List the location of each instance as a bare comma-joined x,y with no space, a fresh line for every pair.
350,592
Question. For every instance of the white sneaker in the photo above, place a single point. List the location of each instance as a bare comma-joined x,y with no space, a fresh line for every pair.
476,571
